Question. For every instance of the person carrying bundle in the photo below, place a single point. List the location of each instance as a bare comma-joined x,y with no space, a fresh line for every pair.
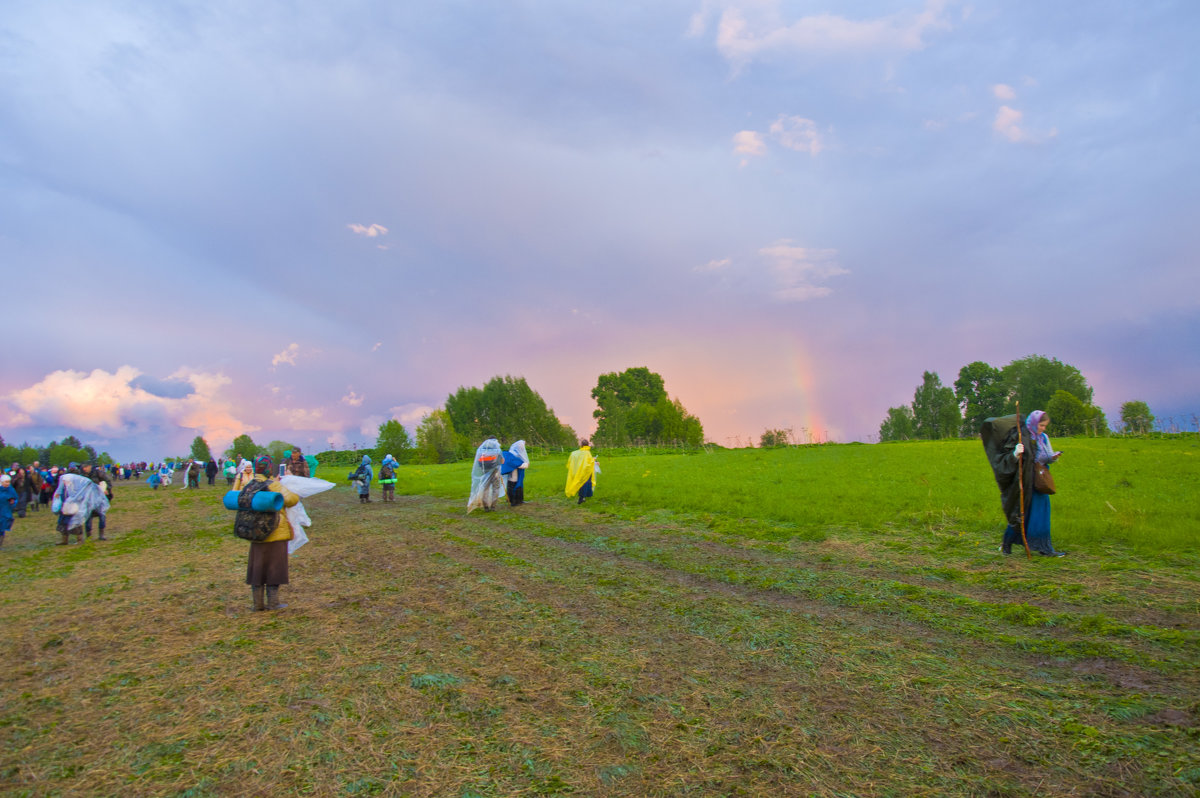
487,486
1016,452
361,477
268,532
516,461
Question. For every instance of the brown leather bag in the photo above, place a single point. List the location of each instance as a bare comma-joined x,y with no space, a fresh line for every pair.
1043,481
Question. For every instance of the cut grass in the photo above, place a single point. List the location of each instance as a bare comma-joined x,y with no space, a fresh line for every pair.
620,648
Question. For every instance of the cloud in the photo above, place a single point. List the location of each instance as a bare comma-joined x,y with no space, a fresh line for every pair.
118,404
1002,91
746,31
287,355
749,143
370,231
377,345
1008,123
783,271
714,265
798,270
791,132
410,414
303,419
797,133
167,389
352,399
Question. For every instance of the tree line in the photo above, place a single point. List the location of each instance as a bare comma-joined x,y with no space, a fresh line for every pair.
58,453
633,408
983,391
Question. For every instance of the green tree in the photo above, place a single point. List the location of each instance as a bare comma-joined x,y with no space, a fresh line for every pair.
775,437
200,449
1069,415
436,440
509,409
935,410
633,407
616,395
980,393
62,454
1033,380
24,454
72,441
243,446
394,440
1136,418
275,450
898,426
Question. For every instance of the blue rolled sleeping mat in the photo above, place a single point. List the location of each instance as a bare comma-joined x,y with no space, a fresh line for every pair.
264,501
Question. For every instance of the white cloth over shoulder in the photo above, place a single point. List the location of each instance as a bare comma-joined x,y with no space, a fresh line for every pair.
296,515
81,492
486,485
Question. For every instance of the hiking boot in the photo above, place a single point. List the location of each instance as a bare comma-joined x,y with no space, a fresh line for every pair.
257,591
273,598
1006,548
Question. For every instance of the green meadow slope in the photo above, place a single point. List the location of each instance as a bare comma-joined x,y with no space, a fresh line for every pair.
830,621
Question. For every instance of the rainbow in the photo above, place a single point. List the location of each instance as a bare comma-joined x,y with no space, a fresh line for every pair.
812,424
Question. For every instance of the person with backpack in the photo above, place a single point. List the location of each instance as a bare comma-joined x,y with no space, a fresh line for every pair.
387,477
267,564
230,472
362,477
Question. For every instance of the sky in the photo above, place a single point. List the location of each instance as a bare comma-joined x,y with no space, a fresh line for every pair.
298,220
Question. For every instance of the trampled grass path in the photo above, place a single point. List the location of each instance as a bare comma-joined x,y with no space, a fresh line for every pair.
602,650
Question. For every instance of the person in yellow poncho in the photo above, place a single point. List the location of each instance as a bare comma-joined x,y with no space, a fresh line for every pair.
581,472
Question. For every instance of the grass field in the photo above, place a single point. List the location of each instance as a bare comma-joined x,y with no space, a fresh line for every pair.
828,621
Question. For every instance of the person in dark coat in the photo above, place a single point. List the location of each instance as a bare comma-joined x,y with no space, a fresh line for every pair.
297,466
210,470
1007,443
20,484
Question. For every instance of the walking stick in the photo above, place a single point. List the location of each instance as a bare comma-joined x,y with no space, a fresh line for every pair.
1021,482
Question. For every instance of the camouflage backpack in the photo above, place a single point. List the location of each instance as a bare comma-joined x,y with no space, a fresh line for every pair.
249,524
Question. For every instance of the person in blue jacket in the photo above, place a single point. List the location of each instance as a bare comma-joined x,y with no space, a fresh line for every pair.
8,500
516,460
362,479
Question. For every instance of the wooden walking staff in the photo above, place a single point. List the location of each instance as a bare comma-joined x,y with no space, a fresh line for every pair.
1021,482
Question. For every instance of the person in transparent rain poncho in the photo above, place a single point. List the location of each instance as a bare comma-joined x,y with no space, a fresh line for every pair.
75,499
487,485
516,460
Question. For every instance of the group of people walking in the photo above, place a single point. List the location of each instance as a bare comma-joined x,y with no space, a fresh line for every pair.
78,495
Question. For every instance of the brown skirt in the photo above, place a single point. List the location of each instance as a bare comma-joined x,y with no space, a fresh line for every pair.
268,564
